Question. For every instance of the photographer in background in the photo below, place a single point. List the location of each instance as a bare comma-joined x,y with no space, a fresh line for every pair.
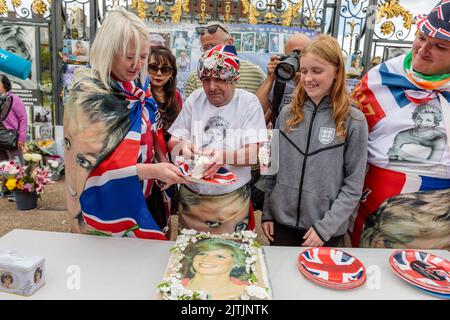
277,90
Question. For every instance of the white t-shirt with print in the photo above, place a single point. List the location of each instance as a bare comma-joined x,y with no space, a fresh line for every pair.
236,124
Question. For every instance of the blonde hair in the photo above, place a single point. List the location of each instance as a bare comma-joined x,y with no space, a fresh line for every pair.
119,29
327,48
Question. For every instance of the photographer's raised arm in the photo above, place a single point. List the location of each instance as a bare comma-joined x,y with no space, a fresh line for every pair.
263,93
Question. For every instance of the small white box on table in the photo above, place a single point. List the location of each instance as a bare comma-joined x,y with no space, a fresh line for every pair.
21,273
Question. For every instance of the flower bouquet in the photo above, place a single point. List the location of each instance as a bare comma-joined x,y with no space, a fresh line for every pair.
27,181
42,147
55,167
47,149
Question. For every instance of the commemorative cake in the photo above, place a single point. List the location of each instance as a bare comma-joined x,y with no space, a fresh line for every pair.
203,266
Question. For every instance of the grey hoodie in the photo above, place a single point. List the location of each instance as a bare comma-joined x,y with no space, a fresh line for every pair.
325,172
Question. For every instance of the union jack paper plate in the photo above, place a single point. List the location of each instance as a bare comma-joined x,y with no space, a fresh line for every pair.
436,294
332,268
222,177
422,269
327,284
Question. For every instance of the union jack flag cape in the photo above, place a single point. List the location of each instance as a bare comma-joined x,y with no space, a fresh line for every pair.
114,200
388,95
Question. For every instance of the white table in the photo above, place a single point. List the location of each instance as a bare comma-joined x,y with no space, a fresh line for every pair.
125,268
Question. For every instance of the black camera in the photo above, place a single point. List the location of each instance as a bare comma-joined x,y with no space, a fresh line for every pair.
288,66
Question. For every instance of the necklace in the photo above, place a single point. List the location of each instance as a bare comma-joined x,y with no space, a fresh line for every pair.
162,107
414,134
160,99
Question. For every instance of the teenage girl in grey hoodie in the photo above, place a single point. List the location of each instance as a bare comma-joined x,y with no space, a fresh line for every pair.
322,155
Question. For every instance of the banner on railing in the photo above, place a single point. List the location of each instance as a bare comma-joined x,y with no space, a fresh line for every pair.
255,43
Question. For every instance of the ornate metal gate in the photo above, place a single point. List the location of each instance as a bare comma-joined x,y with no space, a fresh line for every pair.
365,28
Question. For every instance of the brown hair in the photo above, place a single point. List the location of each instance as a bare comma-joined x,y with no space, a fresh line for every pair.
164,56
327,48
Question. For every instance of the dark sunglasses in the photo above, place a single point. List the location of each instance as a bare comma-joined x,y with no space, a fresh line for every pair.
165,70
211,29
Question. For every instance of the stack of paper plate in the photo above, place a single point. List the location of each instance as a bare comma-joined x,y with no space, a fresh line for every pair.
425,271
331,268
222,177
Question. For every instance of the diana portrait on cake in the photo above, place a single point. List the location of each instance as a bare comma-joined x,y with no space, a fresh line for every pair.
217,267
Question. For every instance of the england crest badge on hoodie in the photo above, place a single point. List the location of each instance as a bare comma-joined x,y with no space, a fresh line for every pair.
326,135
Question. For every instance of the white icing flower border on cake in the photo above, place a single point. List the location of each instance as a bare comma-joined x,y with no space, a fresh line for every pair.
171,288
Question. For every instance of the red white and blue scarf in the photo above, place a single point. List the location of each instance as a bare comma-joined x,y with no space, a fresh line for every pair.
113,201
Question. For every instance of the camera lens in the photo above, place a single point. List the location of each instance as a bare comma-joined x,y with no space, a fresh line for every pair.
285,71
287,68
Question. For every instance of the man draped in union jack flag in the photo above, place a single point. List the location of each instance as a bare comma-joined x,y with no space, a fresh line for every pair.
112,137
406,196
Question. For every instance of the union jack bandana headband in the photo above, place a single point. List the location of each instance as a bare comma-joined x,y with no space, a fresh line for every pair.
437,23
219,62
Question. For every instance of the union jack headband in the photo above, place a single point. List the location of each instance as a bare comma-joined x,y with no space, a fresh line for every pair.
220,62
437,23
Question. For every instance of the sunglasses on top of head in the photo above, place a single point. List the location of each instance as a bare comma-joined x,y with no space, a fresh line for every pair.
211,29
153,69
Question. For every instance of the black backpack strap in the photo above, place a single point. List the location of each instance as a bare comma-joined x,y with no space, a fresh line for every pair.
278,93
5,106
6,103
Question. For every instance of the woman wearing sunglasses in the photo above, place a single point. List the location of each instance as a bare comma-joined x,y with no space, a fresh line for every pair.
163,72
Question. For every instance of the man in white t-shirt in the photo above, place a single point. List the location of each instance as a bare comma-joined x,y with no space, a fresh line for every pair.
226,124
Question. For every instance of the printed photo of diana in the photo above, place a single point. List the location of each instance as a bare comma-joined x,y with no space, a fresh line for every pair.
20,40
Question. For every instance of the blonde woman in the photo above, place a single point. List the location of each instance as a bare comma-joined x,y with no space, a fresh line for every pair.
322,155
112,135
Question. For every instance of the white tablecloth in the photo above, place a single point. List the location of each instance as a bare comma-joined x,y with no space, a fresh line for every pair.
125,268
